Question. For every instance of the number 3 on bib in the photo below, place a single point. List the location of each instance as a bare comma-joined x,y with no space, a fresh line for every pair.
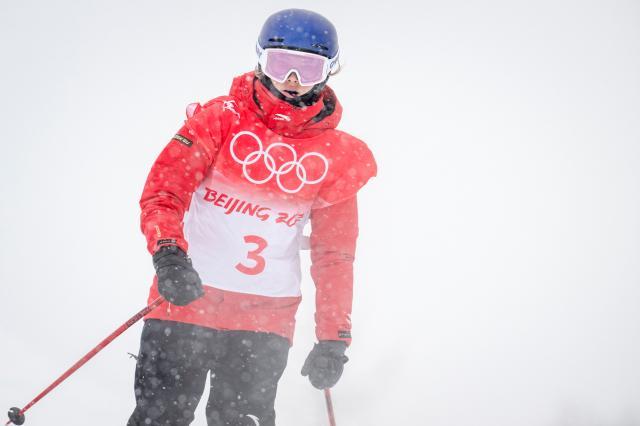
254,255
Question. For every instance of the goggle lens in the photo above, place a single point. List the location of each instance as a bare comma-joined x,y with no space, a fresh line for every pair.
279,63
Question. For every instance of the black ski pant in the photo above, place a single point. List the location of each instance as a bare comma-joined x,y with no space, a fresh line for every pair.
175,360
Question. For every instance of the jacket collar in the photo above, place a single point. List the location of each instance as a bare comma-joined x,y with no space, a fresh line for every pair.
282,117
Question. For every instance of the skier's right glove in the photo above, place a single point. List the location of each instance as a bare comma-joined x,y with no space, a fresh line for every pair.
178,282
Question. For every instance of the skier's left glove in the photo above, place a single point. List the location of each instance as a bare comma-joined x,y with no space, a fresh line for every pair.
325,363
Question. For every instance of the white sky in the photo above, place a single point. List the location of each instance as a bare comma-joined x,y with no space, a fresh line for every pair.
497,272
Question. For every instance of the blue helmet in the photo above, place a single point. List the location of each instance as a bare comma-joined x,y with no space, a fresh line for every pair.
299,29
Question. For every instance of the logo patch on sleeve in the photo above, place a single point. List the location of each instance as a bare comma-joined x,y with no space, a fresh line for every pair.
344,334
183,140
165,241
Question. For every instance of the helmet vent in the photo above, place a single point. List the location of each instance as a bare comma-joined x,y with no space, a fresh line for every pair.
276,39
320,46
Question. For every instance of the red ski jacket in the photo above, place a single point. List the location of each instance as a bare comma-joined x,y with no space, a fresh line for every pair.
235,187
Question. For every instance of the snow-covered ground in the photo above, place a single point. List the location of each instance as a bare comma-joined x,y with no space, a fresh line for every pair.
498,280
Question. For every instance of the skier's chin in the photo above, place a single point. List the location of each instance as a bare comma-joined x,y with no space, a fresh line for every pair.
292,91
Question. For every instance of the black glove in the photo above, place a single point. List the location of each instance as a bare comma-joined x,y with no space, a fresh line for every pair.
325,363
178,282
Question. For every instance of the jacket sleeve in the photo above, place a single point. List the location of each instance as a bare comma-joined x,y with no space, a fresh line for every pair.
334,231
352,165
173,178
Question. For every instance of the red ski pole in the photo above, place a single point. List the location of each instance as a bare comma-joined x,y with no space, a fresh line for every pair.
16,415
327,398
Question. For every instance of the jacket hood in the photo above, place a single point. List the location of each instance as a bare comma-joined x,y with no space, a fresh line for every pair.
282,117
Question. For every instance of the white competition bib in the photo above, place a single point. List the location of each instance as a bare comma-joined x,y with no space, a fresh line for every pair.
244,243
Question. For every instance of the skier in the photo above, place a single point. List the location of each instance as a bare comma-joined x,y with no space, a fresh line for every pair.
234,189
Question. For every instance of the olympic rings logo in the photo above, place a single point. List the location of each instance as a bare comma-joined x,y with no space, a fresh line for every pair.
270,163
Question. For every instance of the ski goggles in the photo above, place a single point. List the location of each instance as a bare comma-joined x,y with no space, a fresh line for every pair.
310,68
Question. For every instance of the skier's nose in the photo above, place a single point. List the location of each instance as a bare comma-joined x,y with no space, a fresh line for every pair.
293,78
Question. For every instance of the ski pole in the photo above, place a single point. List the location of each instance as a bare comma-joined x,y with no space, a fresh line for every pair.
16,415
327,398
